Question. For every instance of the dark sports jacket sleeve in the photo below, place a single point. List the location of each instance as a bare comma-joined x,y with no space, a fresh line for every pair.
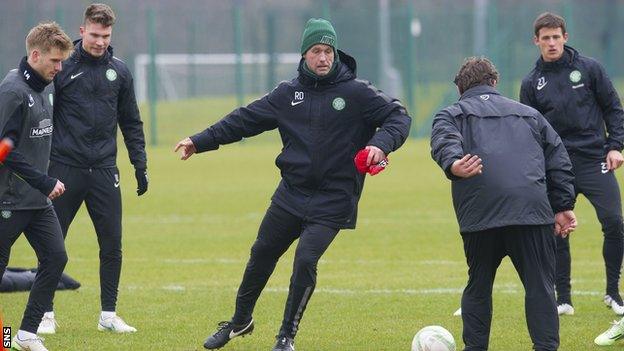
131,125
244,122
609,101
446,142
11,122
559,175
387,114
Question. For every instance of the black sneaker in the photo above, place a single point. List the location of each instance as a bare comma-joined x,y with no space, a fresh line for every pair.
226,332
284,343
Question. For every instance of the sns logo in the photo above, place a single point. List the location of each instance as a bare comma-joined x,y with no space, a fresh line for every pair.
603,168
298,98
6,337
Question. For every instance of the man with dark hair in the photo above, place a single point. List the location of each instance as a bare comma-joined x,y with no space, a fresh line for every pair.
26,99
505,206
578,99
95,94
324,117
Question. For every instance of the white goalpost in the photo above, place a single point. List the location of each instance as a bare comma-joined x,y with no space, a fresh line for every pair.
213,72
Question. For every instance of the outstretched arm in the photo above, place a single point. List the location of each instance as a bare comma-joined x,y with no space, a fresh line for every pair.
244,122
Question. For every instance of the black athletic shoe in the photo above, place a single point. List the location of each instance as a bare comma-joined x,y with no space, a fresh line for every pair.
226,332
284,343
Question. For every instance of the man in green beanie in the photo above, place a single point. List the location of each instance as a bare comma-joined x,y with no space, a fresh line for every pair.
324,116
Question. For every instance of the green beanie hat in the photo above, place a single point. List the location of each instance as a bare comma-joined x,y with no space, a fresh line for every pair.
318,31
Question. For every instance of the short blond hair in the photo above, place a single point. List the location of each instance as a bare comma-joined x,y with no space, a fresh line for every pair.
99,13
48,35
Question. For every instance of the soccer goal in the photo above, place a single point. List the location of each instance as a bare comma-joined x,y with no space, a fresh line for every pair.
180,76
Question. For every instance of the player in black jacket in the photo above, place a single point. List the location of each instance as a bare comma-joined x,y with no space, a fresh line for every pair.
505,205
577,97
324,116
95,94
26,99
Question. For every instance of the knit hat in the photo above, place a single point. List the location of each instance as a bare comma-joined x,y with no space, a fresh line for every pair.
318,31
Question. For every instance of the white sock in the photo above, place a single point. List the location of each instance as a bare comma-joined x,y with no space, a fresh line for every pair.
49,315
24,335
107,314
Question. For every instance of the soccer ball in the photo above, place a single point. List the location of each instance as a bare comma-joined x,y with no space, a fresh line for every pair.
433,338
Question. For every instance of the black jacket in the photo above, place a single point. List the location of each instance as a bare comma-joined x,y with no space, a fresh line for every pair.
93,95
577,97
322,124
26,117
527,173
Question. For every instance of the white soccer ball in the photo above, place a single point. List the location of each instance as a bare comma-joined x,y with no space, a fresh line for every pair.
433,338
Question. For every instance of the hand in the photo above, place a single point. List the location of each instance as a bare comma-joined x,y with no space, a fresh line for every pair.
375,155
614,160
466,167
142,180
565,223
59,189
188,149
6,145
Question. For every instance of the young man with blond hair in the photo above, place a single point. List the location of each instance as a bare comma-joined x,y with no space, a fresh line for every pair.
26,99
95,95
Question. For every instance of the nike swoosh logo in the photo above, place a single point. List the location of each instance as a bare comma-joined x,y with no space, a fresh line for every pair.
541,86
604,171
31,104
235,334
116,185
75,75
295,103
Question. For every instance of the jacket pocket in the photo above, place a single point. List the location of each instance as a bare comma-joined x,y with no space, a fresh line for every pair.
357,177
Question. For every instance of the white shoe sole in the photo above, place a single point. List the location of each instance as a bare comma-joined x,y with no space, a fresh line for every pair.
46,332
104,329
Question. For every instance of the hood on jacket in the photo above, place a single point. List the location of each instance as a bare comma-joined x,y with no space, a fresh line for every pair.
569,55
79,54
345,70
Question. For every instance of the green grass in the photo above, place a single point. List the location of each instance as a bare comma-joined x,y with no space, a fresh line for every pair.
187,240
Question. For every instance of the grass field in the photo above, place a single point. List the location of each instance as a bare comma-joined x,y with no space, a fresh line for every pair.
187,240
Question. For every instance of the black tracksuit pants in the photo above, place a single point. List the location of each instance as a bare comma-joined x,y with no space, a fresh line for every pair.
43,232
279,229
601,188
532,252
99,189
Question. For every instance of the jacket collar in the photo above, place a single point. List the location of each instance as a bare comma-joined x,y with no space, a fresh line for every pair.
569,55
80,55
479,90
31,77
345,70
